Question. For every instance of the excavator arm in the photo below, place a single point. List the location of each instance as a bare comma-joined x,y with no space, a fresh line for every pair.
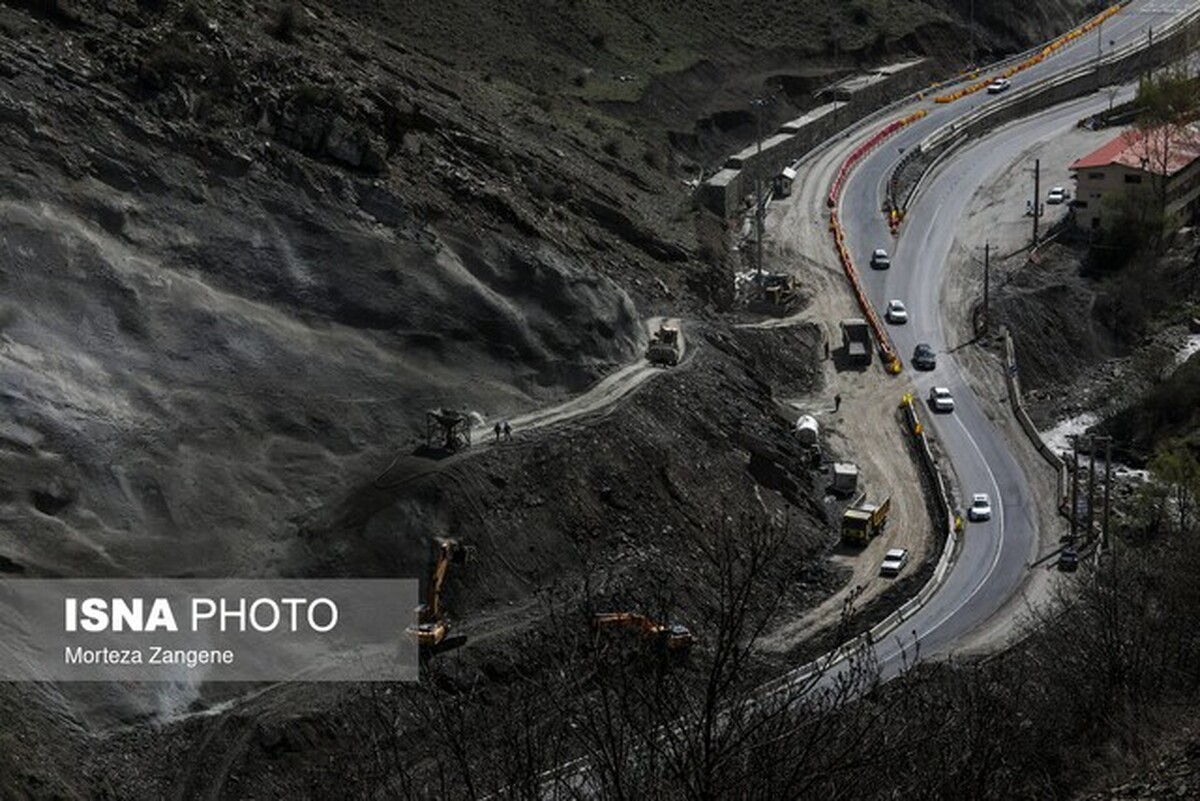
445,552
675,636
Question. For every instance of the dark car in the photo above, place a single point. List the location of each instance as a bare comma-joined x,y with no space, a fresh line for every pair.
1068,560
924,358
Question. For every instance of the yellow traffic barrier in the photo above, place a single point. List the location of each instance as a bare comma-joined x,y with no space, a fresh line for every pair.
1048,50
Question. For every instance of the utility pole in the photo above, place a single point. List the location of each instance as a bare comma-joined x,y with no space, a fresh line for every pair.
1149,47
1074,488
1107,542
758,103
987,309
972,34
1091,516
1037,193
1099,50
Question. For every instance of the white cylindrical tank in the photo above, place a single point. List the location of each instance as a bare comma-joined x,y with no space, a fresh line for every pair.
807,430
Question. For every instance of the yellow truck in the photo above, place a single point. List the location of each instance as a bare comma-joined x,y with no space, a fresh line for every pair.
862,523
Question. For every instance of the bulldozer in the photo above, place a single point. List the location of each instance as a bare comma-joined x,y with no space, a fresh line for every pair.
664,346
674,636
778,293
431,626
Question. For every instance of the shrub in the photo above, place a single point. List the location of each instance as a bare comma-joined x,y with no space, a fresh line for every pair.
287,23
193,18
61,11
171,58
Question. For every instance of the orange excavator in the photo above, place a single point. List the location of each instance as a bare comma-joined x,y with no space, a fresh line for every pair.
674,636
431,627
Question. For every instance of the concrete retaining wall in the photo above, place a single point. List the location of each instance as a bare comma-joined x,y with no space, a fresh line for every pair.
1012,380
725,193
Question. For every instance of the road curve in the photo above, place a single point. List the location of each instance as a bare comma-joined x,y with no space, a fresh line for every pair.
994,555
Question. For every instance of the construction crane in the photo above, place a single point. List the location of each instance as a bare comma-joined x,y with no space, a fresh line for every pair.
431,627
675,636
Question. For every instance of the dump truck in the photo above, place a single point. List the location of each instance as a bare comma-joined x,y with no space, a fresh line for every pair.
664,346
856,339
863,523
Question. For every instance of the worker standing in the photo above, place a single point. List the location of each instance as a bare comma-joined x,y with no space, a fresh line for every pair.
507,430
837,402
496,428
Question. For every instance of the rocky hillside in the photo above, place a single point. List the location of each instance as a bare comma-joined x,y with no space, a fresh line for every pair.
246,246
249,243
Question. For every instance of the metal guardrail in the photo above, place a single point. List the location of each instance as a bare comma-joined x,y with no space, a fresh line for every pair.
954,523
1038,57
954,133
883,628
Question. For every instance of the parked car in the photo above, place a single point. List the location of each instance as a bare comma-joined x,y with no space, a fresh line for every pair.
997,86
896,313
893,562
923,357
880,259
1068,560
981,507
941,400
1056,196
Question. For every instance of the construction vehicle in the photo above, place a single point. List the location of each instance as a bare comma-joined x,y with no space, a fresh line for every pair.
862,523
447,429
845,478
664,346
856,339
674,636
777,293
431,626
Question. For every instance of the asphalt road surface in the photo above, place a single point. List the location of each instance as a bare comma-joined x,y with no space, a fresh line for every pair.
994,557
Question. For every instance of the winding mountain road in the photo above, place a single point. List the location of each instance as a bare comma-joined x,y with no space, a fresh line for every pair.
994,555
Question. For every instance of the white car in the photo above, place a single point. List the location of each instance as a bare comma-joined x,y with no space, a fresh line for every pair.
981,507
1056,196
896,313
893,562
941,400
997,86
880,259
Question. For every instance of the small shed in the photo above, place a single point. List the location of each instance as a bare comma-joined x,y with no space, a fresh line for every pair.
784,181
845,478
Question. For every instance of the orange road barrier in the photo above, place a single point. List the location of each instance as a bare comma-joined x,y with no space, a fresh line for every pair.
886,349
1036,58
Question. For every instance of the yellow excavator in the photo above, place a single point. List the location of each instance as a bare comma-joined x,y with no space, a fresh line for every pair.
675,636
431,627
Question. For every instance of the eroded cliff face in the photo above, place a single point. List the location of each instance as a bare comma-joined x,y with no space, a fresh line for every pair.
243,248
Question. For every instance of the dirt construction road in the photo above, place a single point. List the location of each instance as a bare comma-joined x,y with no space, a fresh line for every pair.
866,429
603,396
